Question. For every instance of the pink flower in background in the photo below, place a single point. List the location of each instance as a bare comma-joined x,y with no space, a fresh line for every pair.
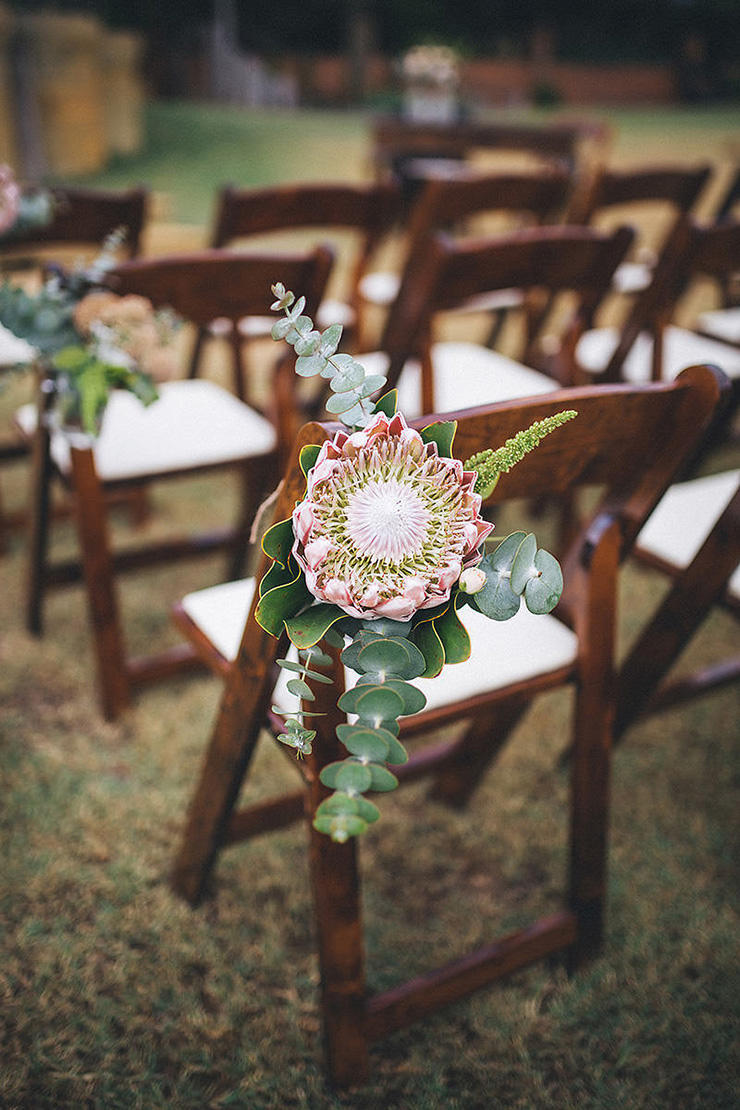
387,525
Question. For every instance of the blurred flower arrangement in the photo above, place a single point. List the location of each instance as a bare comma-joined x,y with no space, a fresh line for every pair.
21,209
436,67
376,560
431,78
90,340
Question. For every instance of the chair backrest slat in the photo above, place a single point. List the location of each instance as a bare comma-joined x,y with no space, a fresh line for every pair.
219,283
449,272
247,212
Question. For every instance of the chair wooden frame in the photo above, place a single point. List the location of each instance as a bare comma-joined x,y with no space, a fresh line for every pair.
445,202
695,250
85,217
632,440
543,262
193,285
643,685
678,187
369,210
395,141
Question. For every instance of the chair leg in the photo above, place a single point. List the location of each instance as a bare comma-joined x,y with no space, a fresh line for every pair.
475,751
336,895
38,545
591,755
197,352
97,563
241,716
239,370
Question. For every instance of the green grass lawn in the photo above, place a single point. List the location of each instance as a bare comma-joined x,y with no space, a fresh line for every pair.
192,149
115,995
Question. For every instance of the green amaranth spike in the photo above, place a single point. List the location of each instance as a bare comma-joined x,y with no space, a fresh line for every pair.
491,463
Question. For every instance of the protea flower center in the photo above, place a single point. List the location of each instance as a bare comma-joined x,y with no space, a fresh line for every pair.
387,525
387,520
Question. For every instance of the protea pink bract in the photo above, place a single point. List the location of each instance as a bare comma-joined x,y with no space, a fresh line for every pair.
387,524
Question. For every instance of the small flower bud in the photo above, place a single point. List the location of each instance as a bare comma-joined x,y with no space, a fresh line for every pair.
472,580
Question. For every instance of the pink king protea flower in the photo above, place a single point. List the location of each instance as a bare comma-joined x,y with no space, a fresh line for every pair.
387,525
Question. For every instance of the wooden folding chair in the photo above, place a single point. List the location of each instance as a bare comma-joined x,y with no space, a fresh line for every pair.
544,263
670,192
466,199
693,536
194,427
363,213
627,441
723,323
649,345
400,145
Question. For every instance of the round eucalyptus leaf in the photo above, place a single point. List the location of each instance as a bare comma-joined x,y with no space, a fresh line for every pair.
377,703
349,377
496,600
542,594
330,339
523,568
280,329
308,366
341,402
301,689
382,779
390,656
354,778
396,752
357,416
337,803
307,344
386,627
329,774
371,384
340,827
502,557
374,703
315,657
367,811
334,638
346,731
413,699
350,655
366,744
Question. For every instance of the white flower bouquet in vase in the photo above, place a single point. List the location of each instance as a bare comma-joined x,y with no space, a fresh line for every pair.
431,79
378,560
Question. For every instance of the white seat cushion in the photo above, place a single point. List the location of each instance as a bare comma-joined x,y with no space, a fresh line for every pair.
14,351
465,375
722,324
681,348
632,277
192,424
382,289
685,516
503,652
